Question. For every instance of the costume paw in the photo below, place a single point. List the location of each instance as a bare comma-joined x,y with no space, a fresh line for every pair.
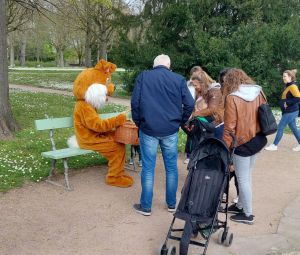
120,119
128,177
110,89
122,181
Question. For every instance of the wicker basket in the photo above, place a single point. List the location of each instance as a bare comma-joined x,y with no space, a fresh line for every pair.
127,134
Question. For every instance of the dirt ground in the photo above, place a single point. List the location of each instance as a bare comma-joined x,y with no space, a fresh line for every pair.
99,219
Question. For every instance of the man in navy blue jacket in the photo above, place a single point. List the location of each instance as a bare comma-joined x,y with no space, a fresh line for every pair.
160,103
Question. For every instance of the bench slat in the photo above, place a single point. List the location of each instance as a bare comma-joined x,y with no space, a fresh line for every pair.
65,153
66,122
53,123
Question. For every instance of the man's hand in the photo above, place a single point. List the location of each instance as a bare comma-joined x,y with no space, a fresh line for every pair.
195,113
231,168
189,128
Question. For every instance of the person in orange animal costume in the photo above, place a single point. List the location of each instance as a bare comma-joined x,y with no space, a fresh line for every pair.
91,88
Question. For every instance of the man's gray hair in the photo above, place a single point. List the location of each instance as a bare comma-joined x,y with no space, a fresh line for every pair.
162,60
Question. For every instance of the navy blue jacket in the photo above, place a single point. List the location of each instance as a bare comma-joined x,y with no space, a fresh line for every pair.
160,102
290,96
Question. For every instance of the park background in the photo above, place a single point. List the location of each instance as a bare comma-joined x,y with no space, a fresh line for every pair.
50,42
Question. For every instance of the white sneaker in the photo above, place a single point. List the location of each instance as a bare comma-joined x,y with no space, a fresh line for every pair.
235,200
131,161
271,147
297,148
224,197
186,161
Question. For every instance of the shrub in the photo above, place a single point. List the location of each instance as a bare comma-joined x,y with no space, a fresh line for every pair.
128,79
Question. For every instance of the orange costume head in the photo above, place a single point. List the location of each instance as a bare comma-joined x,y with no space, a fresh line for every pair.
100,74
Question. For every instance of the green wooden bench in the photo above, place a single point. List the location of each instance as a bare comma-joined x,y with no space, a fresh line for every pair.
56,154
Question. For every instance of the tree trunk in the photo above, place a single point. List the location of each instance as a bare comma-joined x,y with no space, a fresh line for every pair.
7,123
80,59
88,50
38,54
12,54
60,58
98,52
103,50
23,50
88,35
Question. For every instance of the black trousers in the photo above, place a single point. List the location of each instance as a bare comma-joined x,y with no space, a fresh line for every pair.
232,174
135,149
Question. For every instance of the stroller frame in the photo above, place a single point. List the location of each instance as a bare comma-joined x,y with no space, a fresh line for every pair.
224,237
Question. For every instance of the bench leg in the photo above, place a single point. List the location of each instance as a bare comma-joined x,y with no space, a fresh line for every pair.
53,164
66,172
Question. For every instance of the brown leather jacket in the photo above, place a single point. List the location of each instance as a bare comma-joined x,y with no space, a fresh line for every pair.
215,106
241,118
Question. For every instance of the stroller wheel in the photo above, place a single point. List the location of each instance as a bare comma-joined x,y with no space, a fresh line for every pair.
228,240
162,250
221,239
172,250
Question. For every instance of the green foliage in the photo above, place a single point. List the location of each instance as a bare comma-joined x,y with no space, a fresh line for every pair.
261,37
48,53
21,158
106,3
128,77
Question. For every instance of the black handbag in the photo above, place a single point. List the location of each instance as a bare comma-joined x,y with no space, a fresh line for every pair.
255,145
266,118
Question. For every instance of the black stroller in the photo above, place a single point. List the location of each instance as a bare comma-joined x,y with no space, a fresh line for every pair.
201,198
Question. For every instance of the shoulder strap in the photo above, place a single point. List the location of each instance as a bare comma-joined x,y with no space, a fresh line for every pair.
264,96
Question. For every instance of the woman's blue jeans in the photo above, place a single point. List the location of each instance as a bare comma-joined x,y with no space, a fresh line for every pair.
288,118
243,171
168,146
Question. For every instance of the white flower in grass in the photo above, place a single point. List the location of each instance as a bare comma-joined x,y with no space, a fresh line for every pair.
277,114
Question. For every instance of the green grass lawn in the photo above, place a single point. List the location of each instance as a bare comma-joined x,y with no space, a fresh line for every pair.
20,159
57,79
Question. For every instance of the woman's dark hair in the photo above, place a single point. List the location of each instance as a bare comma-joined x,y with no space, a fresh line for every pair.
222,74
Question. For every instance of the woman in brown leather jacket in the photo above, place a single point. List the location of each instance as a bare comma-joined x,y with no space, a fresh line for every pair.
242,99
211,93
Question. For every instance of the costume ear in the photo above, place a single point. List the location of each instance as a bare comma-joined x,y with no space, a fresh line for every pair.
100,65
112,67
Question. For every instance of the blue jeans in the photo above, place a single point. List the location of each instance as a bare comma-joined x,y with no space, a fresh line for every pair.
168,145
243,171
287,119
